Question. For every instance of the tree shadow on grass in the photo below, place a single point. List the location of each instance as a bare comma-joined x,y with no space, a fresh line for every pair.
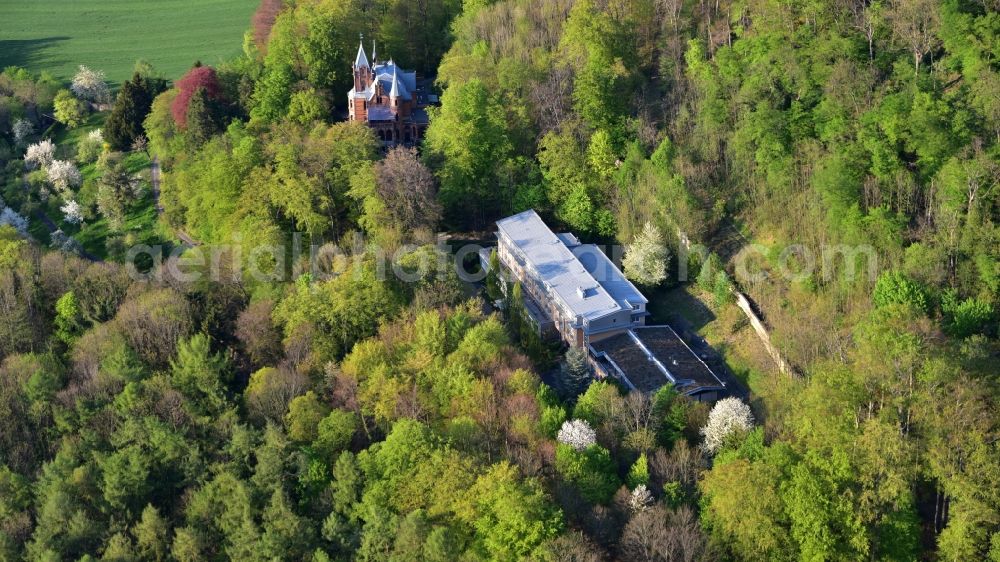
678,307
29,53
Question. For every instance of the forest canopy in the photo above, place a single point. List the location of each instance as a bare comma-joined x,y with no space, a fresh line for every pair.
354,416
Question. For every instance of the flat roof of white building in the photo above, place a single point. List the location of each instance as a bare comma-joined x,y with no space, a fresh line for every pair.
566,276
601,268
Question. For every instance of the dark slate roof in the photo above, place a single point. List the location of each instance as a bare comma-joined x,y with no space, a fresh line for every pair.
396,90
408,78
419,116
637,367
389,83
652,356
688,370
380,113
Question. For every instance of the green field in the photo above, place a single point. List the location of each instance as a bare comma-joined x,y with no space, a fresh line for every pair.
110,35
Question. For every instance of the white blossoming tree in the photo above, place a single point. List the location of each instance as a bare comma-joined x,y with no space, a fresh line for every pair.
89,84
640,499
40,154
64,174
22,129
60,241
645,260
577,434
72,212
10,217
728,416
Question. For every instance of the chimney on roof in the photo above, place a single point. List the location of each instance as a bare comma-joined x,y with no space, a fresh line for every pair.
581,292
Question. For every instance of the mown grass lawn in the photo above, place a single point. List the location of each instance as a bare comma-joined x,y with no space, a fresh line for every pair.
141,225
66,140
110,35
139,228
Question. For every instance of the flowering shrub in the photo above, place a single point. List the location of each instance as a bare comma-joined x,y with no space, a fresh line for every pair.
22,129
72,212
64,175
89,84
577,434
640,499
90,147
728,416
645,260
11,218
40,154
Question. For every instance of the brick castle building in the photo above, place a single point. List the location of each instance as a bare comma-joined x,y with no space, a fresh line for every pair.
388,99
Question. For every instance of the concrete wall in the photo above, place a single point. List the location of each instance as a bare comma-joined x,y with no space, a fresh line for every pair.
755,321
762,333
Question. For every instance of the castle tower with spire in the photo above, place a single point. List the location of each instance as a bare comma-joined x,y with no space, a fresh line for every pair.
386,97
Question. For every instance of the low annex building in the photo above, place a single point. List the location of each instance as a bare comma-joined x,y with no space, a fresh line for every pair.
388,99
574,292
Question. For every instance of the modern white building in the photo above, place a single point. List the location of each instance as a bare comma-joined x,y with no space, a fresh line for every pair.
575,288
576,292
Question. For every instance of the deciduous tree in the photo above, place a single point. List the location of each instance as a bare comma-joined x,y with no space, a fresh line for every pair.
270,390
199,77
915,23
90,85
729,416
645,260
407,189
153,322
69,110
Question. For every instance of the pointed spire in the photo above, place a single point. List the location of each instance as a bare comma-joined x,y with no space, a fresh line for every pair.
361,61
394,92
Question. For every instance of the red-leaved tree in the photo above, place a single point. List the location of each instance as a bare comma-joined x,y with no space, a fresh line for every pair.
263,21
197,77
